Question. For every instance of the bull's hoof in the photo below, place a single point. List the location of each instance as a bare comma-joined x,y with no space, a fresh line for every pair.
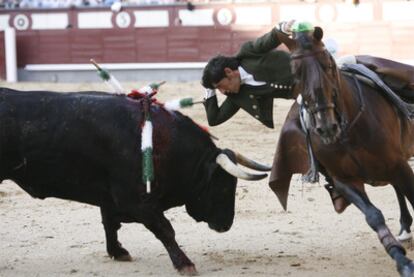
188,270
120,254
123,258
407,270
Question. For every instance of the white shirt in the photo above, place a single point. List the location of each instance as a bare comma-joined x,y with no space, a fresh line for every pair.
248,79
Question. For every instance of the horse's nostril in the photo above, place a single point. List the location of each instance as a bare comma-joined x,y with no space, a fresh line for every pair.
319,130
335,127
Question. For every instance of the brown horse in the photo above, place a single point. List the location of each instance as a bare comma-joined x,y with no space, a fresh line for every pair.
357,135
292,158
292,154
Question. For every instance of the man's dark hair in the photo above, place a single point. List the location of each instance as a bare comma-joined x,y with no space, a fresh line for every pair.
214,70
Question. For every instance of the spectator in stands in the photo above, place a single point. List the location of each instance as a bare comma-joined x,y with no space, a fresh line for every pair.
95,3
109,3
70,3
51,3
77,3
28,4
11,4
151,2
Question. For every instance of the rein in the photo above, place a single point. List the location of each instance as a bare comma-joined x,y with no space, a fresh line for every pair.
361,104
344,125
310,54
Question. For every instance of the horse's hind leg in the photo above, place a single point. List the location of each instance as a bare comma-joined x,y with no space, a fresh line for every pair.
376,221
405,218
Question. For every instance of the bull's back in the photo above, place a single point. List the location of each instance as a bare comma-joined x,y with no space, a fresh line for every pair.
66,144
62,121
80,146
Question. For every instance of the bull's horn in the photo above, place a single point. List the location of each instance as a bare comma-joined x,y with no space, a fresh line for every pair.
224,161
250,163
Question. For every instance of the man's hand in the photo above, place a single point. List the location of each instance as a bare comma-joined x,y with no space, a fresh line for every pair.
286,27
285,32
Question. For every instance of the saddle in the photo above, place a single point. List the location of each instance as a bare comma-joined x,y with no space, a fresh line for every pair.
398,76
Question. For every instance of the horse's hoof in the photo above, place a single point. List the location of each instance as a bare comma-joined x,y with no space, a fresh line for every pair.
340,204
407,270
405,236
123,258
189,270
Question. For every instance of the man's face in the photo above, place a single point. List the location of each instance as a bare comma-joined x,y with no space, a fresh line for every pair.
229,84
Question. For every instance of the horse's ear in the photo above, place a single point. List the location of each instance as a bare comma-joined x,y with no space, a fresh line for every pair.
318,33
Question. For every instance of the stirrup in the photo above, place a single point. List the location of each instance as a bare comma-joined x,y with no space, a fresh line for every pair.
311,176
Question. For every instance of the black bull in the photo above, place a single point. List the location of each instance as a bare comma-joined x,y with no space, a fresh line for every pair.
87,147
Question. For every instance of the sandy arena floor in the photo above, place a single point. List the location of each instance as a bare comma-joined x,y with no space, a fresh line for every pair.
61,238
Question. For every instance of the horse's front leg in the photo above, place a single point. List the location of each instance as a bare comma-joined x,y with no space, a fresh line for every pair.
376,221
405,218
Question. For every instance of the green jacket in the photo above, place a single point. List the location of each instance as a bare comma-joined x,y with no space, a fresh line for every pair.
272,67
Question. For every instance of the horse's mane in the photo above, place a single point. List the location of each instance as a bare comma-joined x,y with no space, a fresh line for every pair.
312,73
304,41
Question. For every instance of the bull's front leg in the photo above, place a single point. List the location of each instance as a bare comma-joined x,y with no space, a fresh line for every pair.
162,229
376,221
111,227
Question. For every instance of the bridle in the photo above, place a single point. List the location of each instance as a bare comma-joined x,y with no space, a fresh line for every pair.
313,110
309,54
336,85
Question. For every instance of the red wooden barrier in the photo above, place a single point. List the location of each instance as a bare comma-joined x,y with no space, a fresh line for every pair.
2,57
379,35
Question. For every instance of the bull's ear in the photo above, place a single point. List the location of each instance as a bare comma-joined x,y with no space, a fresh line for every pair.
318,33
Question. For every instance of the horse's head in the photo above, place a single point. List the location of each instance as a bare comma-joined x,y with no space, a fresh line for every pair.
316,79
